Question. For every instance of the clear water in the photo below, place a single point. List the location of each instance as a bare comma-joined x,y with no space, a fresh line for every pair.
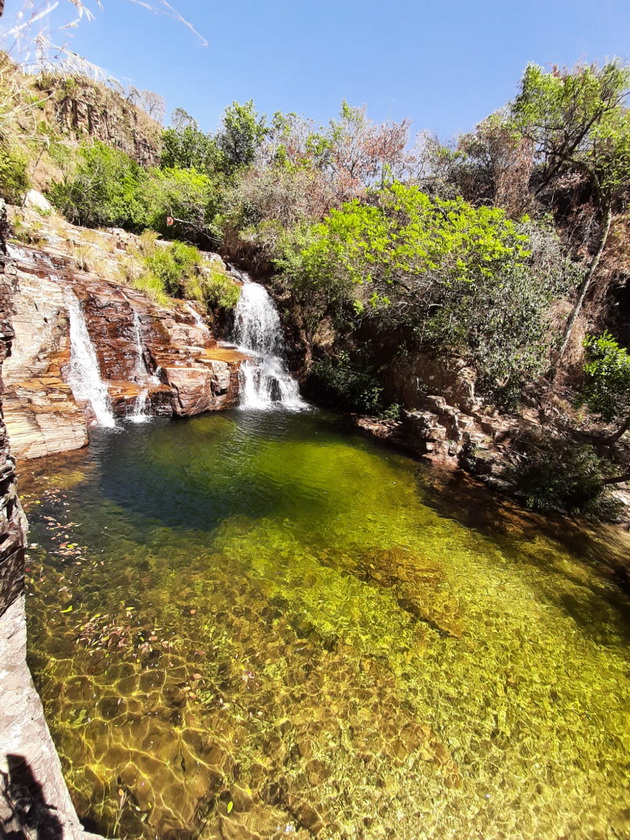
260,625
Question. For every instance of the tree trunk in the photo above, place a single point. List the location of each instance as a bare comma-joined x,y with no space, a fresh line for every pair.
617,479
584,287
621,431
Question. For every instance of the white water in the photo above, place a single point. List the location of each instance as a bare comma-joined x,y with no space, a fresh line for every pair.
266,383
141,376
139,414
198,319
85,376
140,368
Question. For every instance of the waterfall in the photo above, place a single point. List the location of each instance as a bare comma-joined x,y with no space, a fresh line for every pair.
139,413
140,368
266,382
198,319
85,377
141,376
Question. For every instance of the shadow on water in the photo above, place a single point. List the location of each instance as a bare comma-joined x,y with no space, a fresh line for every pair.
31,816
518,534
260,625
199,479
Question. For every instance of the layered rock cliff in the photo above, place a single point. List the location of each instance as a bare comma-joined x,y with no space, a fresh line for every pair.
151,358
34,800
160,359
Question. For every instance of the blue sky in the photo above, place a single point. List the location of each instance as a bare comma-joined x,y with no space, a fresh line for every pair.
444,63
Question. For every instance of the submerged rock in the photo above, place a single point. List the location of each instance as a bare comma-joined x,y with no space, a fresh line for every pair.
419,585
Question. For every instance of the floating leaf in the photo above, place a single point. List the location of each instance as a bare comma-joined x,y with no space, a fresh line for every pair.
69,609
230,806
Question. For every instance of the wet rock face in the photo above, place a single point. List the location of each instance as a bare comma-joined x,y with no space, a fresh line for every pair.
12,520
41,414
163,357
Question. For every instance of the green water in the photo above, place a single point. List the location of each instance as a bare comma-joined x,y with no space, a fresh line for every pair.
260,626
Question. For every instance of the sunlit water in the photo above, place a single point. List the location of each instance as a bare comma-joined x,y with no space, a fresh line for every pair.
261,625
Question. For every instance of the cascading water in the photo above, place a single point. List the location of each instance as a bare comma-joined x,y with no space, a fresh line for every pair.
140,368
139,414
266,383
85,377
141,375
198,319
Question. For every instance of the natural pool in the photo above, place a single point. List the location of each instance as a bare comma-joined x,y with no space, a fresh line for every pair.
260,625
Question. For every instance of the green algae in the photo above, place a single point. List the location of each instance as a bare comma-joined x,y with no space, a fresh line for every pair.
276,631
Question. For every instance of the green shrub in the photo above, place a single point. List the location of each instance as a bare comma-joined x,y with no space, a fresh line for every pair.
104,189
558,475
607,387
175,269
348,382
187,147
219,290
464,279
151,285
174,264
187,196
14,180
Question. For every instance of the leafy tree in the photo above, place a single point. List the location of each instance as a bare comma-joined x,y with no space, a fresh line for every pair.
607,389
185,146
107,187
579,125
282,195
241,134
357,153
490,165
446,273
187,196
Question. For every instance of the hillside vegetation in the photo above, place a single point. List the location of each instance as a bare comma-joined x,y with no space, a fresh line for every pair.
506,250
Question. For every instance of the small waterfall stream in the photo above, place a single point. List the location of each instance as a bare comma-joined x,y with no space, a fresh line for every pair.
85,376
139,413
140,368
140,374
198,319
258,332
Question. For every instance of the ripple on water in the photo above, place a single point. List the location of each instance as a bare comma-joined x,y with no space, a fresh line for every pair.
260,626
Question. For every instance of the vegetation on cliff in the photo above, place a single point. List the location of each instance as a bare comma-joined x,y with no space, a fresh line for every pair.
502,249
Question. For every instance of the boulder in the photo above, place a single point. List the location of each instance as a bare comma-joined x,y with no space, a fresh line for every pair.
36,201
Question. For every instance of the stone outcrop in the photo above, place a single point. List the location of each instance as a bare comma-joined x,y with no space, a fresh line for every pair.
34,800
452,431
86,108
164,354
40,411
421,375
12,520
445,421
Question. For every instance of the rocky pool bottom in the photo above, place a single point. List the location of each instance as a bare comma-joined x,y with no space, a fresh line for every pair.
261,625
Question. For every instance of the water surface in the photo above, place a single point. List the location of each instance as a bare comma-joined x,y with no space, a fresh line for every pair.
260,625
